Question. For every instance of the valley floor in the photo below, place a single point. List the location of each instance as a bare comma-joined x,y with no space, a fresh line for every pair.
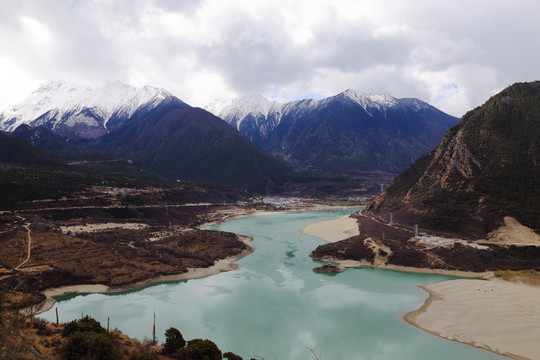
499,316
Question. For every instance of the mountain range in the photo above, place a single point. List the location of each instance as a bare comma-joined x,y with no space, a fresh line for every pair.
345,133
154,130
148,127
485,168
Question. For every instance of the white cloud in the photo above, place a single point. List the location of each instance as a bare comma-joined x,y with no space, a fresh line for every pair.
452,54
36,32
16,83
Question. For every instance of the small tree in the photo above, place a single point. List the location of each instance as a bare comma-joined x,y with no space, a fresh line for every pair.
174,341
198,349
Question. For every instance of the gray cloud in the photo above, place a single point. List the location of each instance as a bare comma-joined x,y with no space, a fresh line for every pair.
451,54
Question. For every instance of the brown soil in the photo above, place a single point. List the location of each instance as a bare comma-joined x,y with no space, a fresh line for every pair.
115,256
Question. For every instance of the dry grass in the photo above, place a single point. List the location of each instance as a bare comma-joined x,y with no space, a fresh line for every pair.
529,277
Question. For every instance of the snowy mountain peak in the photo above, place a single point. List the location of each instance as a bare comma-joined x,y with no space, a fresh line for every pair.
257,116
369,100
254,104
69,104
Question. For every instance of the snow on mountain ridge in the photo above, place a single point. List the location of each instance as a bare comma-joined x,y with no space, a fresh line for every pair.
257,104
369,101
60,98
235,111
257,116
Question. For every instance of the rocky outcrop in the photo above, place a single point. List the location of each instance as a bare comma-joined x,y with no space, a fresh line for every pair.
451,158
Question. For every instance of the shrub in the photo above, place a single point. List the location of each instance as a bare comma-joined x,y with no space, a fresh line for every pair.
89,345
86,324
41,326
198,349
174,341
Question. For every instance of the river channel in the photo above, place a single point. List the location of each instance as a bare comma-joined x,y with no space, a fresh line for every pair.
275,307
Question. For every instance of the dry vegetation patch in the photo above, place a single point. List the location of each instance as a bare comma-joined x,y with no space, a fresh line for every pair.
529,277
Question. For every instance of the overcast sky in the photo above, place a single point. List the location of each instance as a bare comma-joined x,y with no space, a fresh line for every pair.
452,54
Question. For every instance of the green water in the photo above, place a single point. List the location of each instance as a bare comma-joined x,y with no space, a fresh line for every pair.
274,306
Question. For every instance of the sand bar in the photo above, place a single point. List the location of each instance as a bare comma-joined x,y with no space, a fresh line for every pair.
332,230
498,316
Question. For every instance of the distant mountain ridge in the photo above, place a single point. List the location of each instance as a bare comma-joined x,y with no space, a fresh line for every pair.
485,168
44,139
148,126
80,112
351,131
17,151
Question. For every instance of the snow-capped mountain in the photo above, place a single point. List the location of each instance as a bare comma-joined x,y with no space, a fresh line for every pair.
81,112
255,107
350,131
253,115
254,104
256,111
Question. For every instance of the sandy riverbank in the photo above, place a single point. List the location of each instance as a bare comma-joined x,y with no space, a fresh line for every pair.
496,315
219,266
222,265
332,230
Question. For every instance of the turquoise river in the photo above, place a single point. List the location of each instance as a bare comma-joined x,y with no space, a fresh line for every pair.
275,307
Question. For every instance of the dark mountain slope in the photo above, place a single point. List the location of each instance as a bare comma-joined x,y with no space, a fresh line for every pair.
44,139
27,173
342,136
180,142
17,151
347,133
485,168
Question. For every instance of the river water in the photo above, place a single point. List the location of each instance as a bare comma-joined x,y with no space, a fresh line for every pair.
275,307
